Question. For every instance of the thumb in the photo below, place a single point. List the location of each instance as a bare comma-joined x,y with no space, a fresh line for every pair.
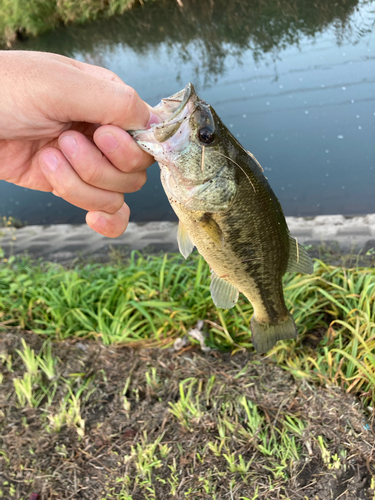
96,95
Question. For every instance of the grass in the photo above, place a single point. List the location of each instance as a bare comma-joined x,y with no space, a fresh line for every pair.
33,17
152,300
242,426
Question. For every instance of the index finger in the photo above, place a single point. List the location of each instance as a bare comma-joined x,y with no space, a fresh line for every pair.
96,95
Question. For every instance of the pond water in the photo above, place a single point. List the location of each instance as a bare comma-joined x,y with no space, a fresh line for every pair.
294,81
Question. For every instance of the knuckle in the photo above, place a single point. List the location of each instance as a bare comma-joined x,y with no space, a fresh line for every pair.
132,166
114,204
115,78
93,175
139,181
130,102
65,189
137,162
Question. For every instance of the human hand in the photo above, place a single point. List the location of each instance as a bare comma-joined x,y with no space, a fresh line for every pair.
62,130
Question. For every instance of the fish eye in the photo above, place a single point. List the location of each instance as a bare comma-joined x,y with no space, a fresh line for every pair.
206,135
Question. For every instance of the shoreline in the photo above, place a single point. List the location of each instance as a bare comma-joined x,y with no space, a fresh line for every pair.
64,242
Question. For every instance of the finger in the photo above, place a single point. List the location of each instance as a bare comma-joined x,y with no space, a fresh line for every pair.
94,168
87,97
68,185
121,149
96,71
67,91
111,225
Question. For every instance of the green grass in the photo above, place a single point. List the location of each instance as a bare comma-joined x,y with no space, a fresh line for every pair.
150,301
34,17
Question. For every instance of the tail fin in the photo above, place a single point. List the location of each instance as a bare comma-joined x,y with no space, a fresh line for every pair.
265,336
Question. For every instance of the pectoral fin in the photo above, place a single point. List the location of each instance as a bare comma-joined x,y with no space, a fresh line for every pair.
223,293
299,260
185,244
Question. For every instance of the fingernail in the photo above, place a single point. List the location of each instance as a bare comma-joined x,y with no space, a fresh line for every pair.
100,222
68,145
153,119
107,142
50,161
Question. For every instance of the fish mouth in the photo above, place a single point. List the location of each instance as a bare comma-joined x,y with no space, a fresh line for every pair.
171,107
173,111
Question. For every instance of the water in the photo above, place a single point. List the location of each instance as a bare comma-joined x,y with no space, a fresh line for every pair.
293,81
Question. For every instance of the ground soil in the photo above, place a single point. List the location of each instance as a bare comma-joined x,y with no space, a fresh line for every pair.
63,465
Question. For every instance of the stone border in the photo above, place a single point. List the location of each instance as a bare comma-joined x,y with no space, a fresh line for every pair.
60,243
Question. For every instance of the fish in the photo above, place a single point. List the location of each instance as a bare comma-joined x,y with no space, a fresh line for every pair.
227,210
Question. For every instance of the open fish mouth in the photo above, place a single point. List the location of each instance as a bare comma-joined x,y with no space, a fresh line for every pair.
173,111
170,107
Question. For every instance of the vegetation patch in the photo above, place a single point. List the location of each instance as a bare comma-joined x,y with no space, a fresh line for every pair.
87,414
82,420
150,301
32,17
262,25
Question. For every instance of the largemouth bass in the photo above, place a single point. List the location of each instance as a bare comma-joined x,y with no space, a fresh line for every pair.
227,210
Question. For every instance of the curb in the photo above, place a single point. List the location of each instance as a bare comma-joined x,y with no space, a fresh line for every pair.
60,243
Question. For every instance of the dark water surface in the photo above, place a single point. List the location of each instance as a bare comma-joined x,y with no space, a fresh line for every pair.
294,81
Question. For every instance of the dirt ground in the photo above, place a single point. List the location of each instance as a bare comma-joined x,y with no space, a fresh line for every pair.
132,446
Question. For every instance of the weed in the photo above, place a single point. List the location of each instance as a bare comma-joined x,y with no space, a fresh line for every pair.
29,359
69,413
25,390
47,362
188,409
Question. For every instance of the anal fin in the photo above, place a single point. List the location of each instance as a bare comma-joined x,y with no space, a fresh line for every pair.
185,244
223,293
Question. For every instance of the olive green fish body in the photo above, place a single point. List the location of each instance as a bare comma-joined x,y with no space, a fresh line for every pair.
226,209
251,253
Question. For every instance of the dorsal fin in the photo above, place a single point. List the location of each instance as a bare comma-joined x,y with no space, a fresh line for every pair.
299,260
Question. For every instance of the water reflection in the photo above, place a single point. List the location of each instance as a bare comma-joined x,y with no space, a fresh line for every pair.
293,79
206,33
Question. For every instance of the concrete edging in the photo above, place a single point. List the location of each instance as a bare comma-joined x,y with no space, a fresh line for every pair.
63,242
